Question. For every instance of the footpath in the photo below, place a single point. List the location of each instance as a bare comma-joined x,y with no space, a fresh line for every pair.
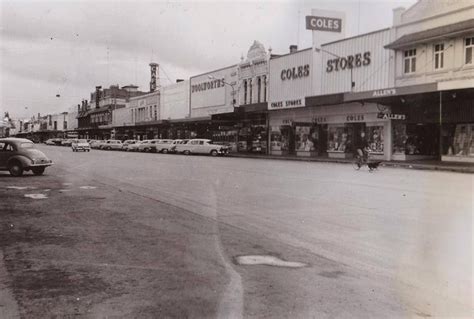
435,165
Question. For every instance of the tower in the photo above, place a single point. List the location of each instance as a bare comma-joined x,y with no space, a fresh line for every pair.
154,76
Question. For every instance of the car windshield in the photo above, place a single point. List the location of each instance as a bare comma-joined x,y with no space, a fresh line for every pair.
82,141
27,145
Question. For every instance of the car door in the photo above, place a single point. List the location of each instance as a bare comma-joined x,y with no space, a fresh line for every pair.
3,155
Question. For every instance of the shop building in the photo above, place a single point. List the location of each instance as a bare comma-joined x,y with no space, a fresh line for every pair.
433,46
212,95
245,129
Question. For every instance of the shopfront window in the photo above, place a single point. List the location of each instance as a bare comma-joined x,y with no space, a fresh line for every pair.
459,140
280,139
305,138
375,138
415,139
340,138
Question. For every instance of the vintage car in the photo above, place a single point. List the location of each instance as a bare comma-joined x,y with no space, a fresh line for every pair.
201,146
66,142
164,146
80,145
50,142
111,145
127,143
95,144
18,155
148,145
176,143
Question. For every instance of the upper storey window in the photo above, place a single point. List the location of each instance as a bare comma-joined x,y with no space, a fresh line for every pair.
409,61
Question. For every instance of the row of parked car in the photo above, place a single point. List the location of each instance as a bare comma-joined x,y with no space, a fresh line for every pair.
180,146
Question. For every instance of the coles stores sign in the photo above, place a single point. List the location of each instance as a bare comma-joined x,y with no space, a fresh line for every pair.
295,72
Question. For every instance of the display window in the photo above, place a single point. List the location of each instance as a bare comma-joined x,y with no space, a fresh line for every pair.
340,138
305,138
375,138
416,139
280,138
460,140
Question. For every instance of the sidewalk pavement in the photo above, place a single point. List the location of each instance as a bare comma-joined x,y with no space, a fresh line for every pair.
435,165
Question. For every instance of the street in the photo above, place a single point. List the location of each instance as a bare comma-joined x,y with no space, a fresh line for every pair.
106,234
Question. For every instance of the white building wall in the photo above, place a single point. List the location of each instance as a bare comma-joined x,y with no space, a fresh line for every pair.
428,15
174,101
372,76
122,117
284,88
209,95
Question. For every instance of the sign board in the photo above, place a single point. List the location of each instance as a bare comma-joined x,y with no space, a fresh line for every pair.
324,24
390,116
299,102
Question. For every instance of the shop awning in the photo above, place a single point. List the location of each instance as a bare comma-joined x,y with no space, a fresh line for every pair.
431,35
328,99
191,119
384,95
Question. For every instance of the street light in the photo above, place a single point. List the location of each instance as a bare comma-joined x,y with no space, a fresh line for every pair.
211,77
337,56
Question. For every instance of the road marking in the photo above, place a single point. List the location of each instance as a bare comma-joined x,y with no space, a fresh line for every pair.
88,187
36,196
64,190
268,261
20,187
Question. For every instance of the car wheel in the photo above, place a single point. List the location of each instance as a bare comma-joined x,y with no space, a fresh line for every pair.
186,152
38,170
213,153
164,151
15,169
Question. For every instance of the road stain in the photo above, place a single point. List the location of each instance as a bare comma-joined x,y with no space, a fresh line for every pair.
64,190
331,274
423,315
268,261
36,196
20,187
87,187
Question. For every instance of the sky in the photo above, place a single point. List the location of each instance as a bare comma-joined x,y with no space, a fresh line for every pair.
66,48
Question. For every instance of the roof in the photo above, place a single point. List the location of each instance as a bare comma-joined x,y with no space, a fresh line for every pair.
443,32
15,139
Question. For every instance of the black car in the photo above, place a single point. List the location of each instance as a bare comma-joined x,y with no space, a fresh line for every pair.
18,155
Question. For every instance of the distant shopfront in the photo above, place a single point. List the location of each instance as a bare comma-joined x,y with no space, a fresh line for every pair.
328,131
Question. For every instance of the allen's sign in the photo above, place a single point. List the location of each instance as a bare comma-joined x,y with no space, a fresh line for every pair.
323,24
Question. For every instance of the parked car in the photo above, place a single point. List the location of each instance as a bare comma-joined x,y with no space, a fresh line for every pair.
201,146
80,145
176,143
164,146
126,143
50,142
94,144
18,155
111,145
148,146
134,147
66,142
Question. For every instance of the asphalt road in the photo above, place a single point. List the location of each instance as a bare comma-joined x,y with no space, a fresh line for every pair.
138,235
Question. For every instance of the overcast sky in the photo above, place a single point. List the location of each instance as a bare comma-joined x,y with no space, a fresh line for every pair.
67,48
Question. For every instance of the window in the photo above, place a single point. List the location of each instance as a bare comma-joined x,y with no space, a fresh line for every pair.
439,56
245,92
9,147
156,113
151,112
250,91
259,88
65,125
2,146
468,51
409,61
264,88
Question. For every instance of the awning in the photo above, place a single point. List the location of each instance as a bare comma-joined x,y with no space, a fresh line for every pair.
383,95
431,35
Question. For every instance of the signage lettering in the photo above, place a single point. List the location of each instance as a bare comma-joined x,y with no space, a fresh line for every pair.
386,92
320,119
209,85
355,118
295,73
389,116
287,104
323,24
349,62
